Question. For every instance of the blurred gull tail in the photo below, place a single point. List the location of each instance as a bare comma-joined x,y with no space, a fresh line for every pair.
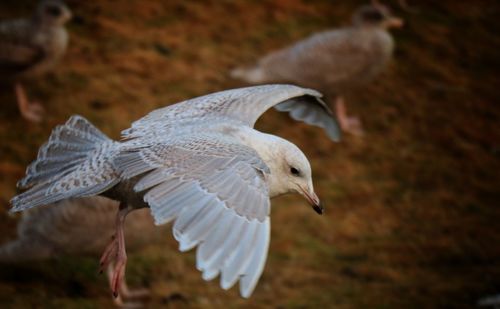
71,164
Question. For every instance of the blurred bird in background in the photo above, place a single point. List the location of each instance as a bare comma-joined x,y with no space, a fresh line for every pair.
335,61
79,226
30,47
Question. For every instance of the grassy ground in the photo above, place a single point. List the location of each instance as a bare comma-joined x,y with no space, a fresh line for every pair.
412,208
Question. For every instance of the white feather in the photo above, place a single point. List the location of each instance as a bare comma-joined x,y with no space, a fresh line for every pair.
254,269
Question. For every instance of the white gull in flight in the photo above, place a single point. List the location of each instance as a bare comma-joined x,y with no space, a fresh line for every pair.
198,163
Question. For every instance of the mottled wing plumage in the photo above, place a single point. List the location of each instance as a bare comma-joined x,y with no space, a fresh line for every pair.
322,59
220,165
76,161
17,49
243,106
332,60
215,190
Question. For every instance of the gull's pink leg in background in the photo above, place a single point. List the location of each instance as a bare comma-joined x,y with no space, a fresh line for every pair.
347,123
31,111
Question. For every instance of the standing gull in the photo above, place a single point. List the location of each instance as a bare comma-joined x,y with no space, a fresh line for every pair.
336,61
75,227
199,163
30,47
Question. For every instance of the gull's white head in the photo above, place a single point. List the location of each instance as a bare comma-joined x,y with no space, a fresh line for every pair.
290,172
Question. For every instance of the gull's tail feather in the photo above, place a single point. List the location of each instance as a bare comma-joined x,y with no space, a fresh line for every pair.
73,162
253,75
66,148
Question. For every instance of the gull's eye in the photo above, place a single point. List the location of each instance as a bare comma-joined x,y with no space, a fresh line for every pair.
53,11
294,171
373,16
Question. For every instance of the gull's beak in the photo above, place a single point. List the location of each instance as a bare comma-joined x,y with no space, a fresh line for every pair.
395,22
67,14
313,199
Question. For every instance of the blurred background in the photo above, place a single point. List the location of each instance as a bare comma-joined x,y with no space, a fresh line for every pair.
412,208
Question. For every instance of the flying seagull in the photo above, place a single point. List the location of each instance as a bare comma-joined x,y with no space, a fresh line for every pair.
75,227
336,61
199,163
30,47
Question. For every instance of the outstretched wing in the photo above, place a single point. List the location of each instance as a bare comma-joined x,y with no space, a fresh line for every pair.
244,105
215,190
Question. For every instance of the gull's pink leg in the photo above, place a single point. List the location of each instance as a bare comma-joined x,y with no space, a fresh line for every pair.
31,111
114,260
115,251
108,255
347,123
121,257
